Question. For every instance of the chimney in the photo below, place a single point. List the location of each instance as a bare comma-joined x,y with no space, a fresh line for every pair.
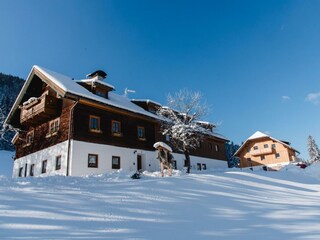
97,75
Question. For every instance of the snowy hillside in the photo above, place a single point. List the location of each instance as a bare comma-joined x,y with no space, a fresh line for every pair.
217,205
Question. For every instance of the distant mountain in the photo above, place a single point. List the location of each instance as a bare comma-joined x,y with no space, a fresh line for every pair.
10,87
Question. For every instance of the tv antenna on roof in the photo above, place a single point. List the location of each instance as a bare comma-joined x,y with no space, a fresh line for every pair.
126,91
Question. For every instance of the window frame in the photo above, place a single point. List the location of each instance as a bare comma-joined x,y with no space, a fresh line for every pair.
277,155
96,164
31,170
143,137
98,129
117,133
217,148
266,145
204,166
30,137
20,172
55,128
255,148
174,164
116,166
199,167
58,160
262,157
44,166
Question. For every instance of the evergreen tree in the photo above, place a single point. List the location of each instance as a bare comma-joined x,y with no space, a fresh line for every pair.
10,87
314,153
231,149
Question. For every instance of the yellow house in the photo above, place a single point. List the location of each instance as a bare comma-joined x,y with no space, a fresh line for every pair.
263,150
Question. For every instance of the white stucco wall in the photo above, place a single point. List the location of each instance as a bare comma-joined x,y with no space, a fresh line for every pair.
79,160
36,158
128,159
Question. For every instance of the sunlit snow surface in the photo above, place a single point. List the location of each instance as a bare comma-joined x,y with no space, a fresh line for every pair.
230,204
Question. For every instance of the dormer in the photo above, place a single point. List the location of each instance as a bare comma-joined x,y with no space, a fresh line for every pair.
95,83
146,104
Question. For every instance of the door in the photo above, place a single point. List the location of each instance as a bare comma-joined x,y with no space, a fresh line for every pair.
139,162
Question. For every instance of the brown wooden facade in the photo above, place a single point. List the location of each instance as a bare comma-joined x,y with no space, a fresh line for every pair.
35,119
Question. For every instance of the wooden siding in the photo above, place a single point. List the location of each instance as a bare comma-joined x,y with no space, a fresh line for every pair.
41,138
285,154
129,135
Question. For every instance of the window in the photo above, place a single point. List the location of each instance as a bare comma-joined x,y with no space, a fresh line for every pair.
266,146
94,123
115,162
141,133
204,166
44,166
54,126
263,157
198,166
30,137
255,148
20,171
273,146
167,137
31,173
101,93
248,149
58,162
210,145
174,164
249,159
217,148
277,155
116,128
92,160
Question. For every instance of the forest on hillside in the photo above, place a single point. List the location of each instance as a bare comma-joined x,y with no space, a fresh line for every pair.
10,87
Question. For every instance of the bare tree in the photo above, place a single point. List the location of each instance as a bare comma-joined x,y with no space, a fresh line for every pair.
181,121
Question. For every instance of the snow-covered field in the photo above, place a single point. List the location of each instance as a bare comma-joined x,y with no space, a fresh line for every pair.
215,205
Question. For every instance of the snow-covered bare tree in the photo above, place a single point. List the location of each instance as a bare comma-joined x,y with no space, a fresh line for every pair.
181,120
314,153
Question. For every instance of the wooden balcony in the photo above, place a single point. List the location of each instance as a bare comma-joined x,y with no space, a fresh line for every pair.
261,151
40,110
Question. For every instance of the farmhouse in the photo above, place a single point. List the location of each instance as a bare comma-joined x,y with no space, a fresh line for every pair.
79,127
263,150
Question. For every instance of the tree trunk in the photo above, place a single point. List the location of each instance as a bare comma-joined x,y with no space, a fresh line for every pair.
186,154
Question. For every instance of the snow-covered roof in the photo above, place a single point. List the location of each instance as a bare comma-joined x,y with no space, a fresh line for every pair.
147,101
258,135
66,85
96,81
163,145
71,86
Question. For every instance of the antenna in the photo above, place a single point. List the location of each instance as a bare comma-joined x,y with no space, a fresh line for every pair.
126,91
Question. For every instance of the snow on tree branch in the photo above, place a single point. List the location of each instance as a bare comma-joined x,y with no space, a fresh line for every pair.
182,120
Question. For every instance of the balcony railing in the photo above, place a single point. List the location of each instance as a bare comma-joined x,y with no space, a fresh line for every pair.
261,151
39,110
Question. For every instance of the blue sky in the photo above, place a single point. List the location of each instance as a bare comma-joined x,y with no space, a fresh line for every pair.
254,61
